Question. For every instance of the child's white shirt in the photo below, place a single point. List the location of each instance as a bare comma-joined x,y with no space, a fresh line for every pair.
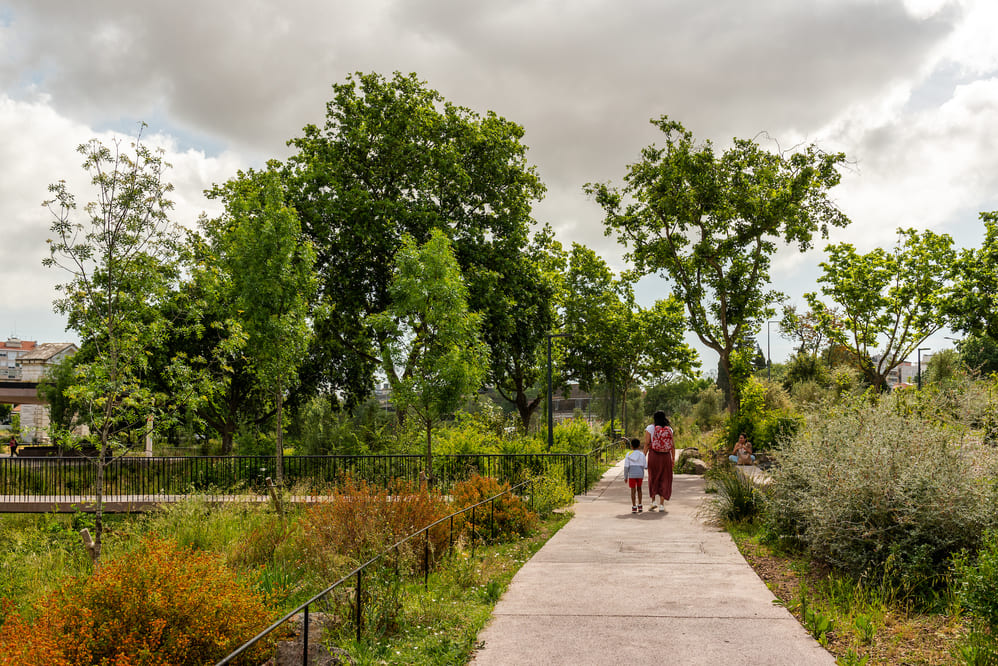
634,465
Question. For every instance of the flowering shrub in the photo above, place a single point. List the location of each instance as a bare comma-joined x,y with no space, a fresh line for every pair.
362,519
505,517
161,604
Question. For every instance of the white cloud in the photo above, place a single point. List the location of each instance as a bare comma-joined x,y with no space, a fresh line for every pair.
905,87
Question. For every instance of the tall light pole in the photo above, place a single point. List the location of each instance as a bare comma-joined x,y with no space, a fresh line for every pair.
920,350
769,353
550,411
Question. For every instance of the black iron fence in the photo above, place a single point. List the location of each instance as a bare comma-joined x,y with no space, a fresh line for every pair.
160,478
421,540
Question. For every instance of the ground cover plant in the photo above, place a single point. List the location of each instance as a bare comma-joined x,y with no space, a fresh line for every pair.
255,562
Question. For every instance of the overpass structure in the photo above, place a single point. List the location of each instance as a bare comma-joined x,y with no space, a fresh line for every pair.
19,393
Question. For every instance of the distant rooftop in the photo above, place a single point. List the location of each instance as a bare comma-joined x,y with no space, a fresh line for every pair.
17,343
46,351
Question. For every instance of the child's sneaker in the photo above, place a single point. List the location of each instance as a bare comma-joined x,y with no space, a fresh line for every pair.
634,509
640,508
653,507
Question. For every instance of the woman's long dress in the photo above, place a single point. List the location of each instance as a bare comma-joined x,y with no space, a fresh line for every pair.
659,474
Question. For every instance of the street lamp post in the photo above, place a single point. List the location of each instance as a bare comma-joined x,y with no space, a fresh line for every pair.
920,350
769,353
550,411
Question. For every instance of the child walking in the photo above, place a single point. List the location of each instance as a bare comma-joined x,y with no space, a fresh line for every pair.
634,471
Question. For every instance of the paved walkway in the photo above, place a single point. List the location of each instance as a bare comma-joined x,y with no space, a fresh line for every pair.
612,587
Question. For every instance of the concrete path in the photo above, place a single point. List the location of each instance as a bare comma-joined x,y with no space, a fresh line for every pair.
612,587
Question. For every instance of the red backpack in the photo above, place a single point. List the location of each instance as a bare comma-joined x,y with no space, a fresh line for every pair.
661,441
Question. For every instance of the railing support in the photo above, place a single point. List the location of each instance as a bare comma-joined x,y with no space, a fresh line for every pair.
304,638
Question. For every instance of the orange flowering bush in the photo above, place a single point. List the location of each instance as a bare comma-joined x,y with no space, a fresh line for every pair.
362,519
161,604
509,516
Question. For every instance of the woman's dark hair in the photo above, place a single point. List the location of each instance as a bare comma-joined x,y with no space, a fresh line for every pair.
659,419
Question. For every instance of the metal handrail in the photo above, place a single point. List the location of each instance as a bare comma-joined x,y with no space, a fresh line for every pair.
358,572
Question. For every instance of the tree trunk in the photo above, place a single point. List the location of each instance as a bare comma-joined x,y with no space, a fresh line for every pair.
726,383
429,453
280,437
526,409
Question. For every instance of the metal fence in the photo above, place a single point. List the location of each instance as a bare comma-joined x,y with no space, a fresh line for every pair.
152,479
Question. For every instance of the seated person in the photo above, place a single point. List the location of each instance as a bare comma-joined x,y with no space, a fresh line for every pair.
741,454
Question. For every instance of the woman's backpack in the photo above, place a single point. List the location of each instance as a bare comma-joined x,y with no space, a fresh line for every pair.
661,440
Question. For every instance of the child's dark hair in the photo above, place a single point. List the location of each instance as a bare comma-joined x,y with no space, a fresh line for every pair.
635,443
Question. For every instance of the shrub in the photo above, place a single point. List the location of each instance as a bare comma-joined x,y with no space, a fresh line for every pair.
875,491
160,604
708,411
576,436
549,493
809,394
736,498
507,516
977,587
362,519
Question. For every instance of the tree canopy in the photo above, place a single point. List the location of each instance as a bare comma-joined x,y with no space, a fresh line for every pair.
121,263
610,338
430,345
973,305
711,223
395,158
890,301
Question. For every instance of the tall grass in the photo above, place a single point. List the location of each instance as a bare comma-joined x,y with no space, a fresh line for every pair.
886,490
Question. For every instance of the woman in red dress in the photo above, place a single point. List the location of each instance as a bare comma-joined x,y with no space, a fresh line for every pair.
660,448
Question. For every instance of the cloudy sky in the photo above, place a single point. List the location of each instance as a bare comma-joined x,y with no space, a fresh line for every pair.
908,89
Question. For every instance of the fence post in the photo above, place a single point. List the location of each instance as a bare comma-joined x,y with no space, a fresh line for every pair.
426,559
492,519
360,615
472,531
304,638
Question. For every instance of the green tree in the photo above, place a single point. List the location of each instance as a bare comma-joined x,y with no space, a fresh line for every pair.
944,367
979,354
54,389
674,396
711,224
611,339
430,345
890,301
121,262
521,313
268,266
202,360
395,158
973,304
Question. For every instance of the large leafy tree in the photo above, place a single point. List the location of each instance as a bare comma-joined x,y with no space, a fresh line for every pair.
202,360
430,347
121,261
611,339
711,224
395,158
522,310
973,306
889,301
268,270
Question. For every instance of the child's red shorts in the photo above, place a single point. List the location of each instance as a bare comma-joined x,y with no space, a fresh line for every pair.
634,483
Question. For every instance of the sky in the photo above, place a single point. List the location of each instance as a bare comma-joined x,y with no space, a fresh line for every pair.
908,89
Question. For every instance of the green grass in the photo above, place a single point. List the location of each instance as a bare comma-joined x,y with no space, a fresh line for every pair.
404,623
440,624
